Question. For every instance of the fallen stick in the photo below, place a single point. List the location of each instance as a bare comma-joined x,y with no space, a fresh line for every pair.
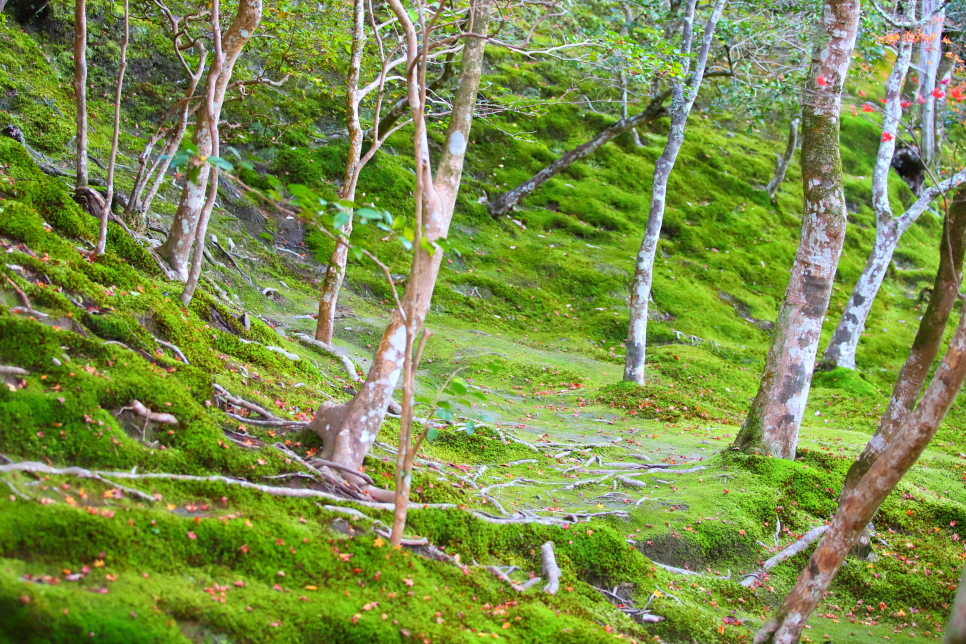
158,417
676,571
7,370
174,349
550,568
790,551
214,240
20,293
331,350
241,402
257,422
502,577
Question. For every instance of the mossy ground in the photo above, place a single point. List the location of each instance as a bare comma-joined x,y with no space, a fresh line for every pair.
547,299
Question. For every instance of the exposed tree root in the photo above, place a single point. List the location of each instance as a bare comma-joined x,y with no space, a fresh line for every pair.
350,366
550,568
241,402
790,551
158,417
174,349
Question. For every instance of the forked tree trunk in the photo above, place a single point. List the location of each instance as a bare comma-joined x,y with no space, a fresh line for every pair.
856,509
925,347
176,249
683,95
335,272
776,412
841,348
349,429
785,159
80,88
102,237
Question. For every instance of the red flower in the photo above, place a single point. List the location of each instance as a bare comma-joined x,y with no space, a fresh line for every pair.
887,136
938,93
821,81
867,108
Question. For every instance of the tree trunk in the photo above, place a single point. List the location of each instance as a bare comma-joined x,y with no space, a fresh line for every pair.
841,348
683,96
956,625
930,57
335,272
889,230
776,412
508,200
349,429
785,159
80,88
102,236
177,247
925,347
857,509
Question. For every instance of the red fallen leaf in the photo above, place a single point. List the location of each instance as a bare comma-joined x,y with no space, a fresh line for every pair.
728,619
244,549
192,535
25,599
862,93
408,581
821,81
608,629
727,491
355,618
279,542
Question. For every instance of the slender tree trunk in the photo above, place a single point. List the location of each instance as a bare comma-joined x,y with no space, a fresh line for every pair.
856,509
931,56
349,429
955,632
925,347
137,208
842,347
335,272
80,88
102,237
786,158
624,111
682,100
176,249
776,412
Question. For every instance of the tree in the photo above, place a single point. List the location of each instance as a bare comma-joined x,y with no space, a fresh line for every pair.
176,249
889,229
683,94
80,89
786,158
776,412
102,236
930,55
857,508
925,347
349,429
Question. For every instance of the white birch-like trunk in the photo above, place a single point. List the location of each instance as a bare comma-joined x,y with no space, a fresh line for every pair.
776,411
348,430
102,235
335,271
930,57
682,100
176,249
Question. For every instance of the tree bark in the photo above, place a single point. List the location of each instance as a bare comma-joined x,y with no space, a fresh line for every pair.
955,632
349,429
80,88
857,508
335,272
776,412
785,159
682,100
177,247
931,54
102,236
925,347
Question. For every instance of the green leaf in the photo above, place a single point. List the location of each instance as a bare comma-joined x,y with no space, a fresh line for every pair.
431,433
221,164
479,395
345,203
459,386
341,219
444,404
470,427
444,414
298,190
368,213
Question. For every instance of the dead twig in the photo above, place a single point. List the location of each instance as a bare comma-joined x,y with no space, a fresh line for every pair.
792,550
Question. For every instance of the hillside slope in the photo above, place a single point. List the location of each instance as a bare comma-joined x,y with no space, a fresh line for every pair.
535,311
